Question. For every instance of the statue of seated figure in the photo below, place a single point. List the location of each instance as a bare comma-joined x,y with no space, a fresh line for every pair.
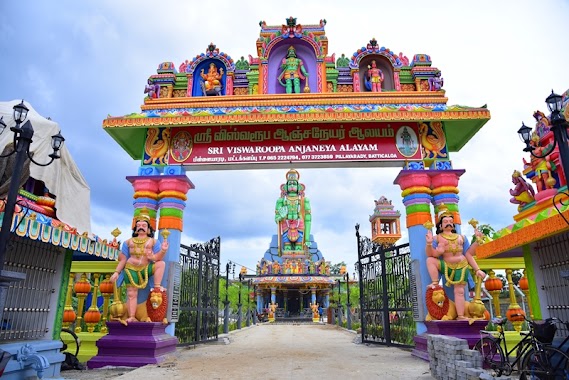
212,80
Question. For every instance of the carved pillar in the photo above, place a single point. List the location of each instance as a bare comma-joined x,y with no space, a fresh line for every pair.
356,80
285,299
259,293
229,84
190,85
416,193
326,301
263,75
397,80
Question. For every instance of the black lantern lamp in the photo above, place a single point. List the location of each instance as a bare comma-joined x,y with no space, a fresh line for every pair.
525,135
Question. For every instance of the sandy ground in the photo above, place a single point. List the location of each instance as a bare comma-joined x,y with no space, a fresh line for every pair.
277,351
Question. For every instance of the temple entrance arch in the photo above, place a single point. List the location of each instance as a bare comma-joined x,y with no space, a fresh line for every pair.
337,124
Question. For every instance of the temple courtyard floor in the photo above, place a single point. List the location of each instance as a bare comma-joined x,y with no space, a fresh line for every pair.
275,351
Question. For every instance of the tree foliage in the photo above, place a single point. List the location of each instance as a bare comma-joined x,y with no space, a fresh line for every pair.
335,269
233,295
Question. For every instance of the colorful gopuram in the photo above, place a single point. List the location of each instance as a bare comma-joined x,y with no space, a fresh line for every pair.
293,276
292,104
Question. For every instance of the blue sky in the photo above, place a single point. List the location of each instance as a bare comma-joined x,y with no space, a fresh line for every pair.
78,62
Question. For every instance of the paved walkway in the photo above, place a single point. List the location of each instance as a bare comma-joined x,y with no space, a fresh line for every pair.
279,352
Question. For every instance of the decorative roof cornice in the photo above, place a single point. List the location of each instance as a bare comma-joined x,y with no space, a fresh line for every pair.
327,107
51,231
293,280
526,231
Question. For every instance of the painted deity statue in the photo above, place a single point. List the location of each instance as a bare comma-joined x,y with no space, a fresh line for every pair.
293,71
523,192
292,214
375,76
152,89
141,257
542,166
212,77
436,82
542,124
450,253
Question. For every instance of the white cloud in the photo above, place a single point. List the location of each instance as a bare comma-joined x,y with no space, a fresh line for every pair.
38,80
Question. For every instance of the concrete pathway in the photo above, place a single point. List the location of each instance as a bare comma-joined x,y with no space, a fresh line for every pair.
273,351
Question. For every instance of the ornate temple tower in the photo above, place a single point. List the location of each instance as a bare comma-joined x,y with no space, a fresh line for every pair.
385,227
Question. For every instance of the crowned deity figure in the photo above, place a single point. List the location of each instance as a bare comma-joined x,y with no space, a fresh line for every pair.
212,77
141,257
292,72
292,214
542,164
375,76
522,193
450,254
436,82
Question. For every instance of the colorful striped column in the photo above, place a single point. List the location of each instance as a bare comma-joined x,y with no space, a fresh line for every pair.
172,201
145,196
444,185
416,193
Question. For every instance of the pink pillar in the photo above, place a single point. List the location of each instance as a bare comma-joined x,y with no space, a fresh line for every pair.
229,84
356,81
397,81
190,85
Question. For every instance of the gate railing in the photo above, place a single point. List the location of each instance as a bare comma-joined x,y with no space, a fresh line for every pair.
385,293
199,293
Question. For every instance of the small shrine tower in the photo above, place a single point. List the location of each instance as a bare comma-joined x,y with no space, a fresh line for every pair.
385,227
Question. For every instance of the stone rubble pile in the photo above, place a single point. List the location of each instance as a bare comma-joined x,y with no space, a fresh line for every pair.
451,359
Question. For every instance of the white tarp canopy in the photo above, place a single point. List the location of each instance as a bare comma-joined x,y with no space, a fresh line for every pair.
62,177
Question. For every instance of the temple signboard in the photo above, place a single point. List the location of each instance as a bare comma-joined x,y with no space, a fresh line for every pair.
301,143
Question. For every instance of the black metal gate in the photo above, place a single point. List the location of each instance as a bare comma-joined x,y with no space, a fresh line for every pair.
385,293
199,293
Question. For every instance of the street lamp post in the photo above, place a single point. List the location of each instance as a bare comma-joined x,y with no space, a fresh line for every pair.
348,305
23,135
255,306
226,302
239,310
248,322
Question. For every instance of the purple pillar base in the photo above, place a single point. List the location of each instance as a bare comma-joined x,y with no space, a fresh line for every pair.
135,345
458,329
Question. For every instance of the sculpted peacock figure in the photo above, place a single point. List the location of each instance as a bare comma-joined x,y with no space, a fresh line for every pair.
156,147
433,143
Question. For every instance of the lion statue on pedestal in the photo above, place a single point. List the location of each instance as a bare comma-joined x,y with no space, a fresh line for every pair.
153,310
442,308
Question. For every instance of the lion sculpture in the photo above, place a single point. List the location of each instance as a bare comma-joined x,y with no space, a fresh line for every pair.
153,310
442,308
